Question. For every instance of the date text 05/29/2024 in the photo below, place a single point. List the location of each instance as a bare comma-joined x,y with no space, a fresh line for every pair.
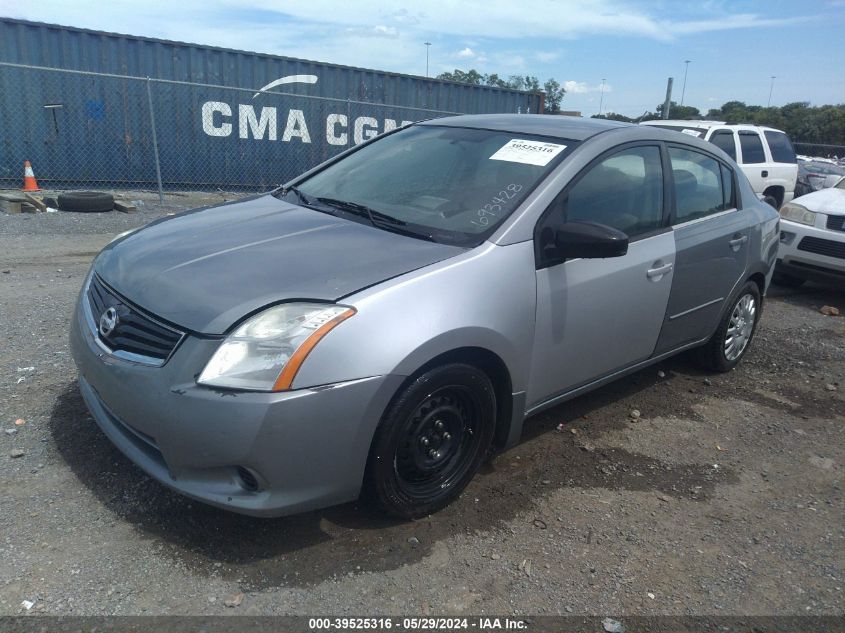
417,624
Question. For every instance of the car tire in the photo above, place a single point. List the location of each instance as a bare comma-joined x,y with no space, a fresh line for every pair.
771,201
787,281
431,441
86,201
734,334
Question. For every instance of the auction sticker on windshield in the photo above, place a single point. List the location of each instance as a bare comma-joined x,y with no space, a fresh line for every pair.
529,152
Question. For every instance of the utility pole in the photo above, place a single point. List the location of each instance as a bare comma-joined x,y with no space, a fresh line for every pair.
668,103
684,89
427,47
601,99
771,87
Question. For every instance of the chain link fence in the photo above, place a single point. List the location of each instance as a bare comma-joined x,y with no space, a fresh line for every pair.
91,130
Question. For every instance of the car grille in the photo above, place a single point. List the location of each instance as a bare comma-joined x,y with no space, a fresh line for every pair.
817,245
136,335
836,222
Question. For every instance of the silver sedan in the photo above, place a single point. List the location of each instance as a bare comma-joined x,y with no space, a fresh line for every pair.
385,321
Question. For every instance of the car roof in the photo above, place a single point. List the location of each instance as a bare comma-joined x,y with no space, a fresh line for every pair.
708,124
569,127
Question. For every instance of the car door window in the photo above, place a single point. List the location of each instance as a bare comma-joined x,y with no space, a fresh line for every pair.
624,190
780,147
728,191
699,185
752,148
724,140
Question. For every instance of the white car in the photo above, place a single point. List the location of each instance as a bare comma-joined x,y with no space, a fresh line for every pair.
812,238
765,154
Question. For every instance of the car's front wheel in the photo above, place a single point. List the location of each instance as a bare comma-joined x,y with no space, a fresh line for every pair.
431,441
736,329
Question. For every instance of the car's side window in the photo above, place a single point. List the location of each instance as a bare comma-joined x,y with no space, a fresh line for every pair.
752,147
781,147
728,192
623,190
699,185
724,140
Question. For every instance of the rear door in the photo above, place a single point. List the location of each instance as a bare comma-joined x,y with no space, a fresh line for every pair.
712,244
753,159
784,165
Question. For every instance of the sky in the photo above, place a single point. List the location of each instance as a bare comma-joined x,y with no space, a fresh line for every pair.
734,46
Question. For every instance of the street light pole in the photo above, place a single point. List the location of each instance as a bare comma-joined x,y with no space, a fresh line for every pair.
601,99
771,87
427,47
684,89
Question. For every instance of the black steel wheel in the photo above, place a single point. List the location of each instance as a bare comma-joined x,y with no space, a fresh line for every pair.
432,440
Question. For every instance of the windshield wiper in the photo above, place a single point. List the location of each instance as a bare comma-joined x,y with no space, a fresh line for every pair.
295,191
377,218
360,209
306,201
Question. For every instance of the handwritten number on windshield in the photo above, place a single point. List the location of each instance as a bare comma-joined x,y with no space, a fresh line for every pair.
494,207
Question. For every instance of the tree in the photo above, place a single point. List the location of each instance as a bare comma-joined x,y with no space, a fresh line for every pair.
471,76
677,112
528,83
494,80
613,116
554,92
554,95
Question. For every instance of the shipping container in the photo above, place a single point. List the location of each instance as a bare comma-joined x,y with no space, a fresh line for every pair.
214,127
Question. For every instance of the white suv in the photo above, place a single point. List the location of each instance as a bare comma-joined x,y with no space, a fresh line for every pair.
765,154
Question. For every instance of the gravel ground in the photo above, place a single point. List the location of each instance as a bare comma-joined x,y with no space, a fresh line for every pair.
724,497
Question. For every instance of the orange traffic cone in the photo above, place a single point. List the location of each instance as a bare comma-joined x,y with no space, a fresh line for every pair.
29,182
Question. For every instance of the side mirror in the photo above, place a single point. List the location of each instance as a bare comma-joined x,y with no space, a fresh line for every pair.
589,240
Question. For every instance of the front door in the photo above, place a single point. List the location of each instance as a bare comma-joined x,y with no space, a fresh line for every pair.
595,316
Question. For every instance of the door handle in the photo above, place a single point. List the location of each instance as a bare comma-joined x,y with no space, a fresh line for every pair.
656,273
738,241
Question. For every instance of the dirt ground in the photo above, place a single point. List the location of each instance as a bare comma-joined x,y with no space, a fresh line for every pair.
724,497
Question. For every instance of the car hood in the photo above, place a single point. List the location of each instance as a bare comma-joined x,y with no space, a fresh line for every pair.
205,269
829,201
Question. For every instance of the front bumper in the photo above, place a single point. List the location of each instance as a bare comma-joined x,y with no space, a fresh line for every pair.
798,261
264,454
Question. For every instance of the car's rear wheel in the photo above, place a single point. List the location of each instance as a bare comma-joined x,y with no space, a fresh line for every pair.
787,281
432,440
771,200
736,330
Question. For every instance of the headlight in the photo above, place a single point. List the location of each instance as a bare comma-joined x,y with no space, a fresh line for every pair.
266,351
796,213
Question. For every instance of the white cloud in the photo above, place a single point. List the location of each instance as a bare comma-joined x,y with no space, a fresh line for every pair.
581,87
470,18
546,56
380,30
498,33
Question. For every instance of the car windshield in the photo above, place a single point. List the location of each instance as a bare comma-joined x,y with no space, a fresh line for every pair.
823,168
446,184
